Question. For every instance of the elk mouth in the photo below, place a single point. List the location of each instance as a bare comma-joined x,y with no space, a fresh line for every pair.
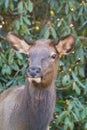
35,79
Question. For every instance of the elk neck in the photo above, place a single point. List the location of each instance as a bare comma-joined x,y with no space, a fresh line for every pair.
38,91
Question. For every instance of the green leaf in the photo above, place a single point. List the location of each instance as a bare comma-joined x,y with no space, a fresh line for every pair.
17,24
67,8
61,116
10,59
75,116
30,6
2,2
84,113
19,62
6,69
27,21
81,71
85,126
46,34
81,10
76,88
53,32
11,5
59,23
65,79
68,124
80,54
21,21
9,83
19,55
1,88
20,7
77,80
15,67
3,79
43,30
6,3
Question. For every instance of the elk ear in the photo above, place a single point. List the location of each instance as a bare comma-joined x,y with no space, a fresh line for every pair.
17,43
66,45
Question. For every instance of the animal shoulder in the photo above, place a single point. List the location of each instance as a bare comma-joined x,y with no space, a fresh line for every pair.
11,91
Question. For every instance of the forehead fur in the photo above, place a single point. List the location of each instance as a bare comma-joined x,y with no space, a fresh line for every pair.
44,42
42,46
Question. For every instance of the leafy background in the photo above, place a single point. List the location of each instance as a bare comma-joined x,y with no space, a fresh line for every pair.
49,19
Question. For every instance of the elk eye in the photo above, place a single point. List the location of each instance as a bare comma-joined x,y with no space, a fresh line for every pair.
27,56
53,56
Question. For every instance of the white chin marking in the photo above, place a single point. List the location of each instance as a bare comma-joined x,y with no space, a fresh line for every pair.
37,80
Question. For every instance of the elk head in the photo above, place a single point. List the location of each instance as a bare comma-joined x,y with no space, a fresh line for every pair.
42,56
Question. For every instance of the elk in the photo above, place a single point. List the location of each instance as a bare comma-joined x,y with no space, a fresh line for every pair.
31,106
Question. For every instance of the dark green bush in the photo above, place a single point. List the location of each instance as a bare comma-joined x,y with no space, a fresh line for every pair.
49,19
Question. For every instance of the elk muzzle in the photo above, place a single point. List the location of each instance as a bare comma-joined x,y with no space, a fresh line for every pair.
34,74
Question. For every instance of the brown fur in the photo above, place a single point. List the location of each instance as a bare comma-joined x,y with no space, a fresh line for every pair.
30,107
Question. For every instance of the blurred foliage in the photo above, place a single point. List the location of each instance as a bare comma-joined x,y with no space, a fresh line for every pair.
49,19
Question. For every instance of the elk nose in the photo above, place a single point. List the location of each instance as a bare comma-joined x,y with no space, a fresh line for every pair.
33,71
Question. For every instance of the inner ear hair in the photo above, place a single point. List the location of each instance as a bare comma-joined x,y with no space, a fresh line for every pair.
69,50
64,37
17,42
17,36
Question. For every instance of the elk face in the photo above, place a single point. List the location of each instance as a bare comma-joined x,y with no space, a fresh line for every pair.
42,56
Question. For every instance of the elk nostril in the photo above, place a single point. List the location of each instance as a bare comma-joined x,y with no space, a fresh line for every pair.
38,70
34,71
